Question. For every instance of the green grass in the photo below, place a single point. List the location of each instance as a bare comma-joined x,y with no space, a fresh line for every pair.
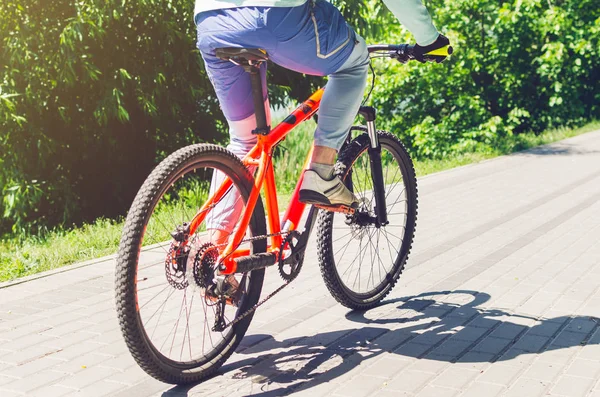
508,145
58,248
20,257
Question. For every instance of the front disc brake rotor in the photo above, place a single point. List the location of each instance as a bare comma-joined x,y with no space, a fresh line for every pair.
359,222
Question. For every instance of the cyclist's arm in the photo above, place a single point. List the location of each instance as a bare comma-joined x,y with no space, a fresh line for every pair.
415,17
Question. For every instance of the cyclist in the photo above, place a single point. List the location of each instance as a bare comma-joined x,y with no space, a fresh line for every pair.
307,36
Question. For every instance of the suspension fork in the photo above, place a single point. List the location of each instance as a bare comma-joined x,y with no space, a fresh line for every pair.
369,114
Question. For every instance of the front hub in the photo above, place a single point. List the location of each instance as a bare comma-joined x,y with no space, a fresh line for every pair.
360,221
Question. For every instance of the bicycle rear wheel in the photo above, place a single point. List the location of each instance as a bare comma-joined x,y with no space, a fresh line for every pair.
360,262
165,306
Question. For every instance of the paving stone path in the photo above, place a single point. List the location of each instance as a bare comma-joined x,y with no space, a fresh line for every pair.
501,297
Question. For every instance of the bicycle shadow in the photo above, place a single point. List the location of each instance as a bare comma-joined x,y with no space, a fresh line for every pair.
444,326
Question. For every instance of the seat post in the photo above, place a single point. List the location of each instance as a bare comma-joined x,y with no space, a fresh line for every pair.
259,102
251,60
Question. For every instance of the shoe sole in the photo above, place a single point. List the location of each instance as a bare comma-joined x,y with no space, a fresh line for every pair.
322,202
344,209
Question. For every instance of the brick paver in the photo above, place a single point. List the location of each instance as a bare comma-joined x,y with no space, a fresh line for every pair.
501,297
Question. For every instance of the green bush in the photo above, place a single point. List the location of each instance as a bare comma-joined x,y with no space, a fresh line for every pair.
523,65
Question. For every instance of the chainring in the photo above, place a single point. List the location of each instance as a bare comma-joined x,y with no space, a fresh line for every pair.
290,267
219,324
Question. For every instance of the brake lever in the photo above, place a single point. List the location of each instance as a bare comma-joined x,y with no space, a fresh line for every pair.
402,58
403,54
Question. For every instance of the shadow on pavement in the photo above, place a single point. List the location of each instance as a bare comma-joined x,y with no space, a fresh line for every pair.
559,149
444,326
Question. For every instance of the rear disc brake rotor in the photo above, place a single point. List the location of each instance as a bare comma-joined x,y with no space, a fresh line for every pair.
175,265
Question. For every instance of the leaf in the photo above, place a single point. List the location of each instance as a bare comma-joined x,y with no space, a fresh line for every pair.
124,74
123,114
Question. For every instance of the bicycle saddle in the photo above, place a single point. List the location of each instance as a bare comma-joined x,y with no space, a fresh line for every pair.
237,54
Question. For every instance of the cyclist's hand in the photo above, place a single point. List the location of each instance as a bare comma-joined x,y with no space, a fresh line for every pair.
434,52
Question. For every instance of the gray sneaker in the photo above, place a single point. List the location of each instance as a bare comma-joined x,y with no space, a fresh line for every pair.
325,193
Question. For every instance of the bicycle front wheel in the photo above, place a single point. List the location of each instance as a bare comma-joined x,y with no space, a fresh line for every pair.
360,261
165,304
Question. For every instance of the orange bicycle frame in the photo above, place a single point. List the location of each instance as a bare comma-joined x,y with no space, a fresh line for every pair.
261,155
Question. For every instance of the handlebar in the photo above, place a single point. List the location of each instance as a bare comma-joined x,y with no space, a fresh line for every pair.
405,52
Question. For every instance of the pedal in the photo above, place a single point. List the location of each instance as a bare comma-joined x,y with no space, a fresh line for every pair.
344,209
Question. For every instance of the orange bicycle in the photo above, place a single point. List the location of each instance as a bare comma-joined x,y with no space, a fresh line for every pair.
185,295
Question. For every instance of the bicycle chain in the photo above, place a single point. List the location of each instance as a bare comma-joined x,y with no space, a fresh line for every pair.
261,237
256,306
272,294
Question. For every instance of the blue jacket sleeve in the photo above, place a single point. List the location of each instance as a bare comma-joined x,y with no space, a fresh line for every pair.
415,17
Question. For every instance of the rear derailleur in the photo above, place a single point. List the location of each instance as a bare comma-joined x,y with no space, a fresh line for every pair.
189,263
218,290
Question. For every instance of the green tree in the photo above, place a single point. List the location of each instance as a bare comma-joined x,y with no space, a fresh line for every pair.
518,66
101,89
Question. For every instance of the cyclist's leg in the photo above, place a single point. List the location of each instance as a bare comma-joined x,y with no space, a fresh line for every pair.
222,219
316,40
230,28
342,98
339,106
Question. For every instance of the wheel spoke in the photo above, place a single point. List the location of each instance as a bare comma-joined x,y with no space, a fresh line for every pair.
339,238
163,290
178,318
372,262
187,328
160,307
379,262
355,258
